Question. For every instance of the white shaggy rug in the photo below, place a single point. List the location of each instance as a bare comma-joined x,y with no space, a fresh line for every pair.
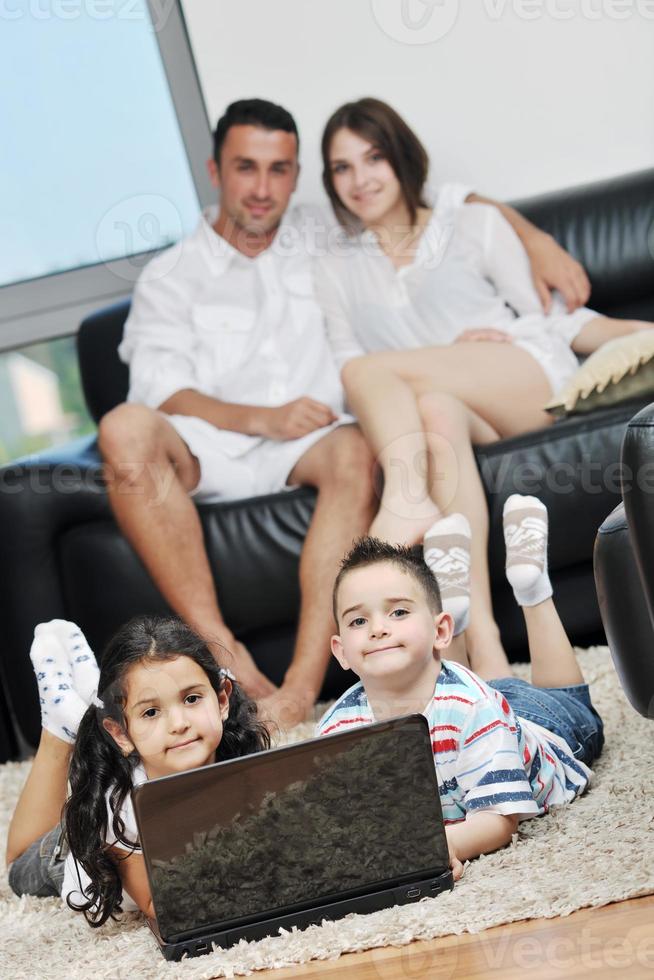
599,850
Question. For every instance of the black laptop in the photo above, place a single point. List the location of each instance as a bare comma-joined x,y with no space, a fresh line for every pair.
350,822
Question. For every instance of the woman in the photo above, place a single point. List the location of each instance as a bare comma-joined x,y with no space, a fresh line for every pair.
463,353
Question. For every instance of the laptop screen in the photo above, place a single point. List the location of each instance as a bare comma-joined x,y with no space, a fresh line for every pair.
292,827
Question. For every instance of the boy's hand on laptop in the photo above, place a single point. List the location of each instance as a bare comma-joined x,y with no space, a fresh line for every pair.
455,864
295,419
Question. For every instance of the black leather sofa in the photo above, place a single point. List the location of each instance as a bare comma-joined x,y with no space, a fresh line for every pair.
624,567
63,556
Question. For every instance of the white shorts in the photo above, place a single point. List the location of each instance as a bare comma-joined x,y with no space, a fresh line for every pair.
234,466
548,339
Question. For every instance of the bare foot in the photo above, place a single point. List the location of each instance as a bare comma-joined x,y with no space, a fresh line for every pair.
404,524
231,653
286,708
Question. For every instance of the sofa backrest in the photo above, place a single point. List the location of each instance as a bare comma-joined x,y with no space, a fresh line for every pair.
607,225
105,378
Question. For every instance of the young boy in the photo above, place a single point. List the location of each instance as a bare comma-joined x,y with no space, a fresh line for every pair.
504,749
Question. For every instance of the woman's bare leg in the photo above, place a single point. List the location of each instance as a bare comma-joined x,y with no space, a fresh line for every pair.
603,328
458,650
43,796
385,406
455,485
504,390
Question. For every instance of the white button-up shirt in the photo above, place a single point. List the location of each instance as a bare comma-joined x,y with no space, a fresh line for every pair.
243,330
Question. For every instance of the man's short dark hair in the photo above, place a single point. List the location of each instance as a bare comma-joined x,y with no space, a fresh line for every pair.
252,112
372,551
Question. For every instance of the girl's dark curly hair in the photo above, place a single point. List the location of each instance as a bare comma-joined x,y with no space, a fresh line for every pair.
98,766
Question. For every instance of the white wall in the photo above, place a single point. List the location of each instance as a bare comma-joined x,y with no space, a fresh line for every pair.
516,97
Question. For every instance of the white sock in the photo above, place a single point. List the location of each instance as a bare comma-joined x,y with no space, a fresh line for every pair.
61,706
446,548
525,536
81,658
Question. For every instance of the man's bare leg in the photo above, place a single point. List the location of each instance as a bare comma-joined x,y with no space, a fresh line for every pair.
150,472
340,467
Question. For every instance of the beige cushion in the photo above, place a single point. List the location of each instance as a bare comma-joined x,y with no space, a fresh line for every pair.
620,370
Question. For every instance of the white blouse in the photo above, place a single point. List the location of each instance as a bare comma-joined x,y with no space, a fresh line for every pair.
470,270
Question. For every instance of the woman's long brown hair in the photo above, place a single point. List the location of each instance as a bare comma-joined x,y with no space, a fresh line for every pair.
382,126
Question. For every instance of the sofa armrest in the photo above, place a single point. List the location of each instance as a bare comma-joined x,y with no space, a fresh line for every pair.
624,567
40,496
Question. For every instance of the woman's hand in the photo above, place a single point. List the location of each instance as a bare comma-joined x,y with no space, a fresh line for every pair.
483,333
552,268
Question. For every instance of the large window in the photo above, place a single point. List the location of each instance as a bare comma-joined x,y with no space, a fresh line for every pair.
41,401
104,137
104,142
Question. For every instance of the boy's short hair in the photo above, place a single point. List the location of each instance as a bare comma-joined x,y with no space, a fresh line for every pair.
252,112
372,551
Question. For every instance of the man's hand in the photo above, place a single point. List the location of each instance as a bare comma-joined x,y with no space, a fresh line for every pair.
483,333
286,708
295,419
552,268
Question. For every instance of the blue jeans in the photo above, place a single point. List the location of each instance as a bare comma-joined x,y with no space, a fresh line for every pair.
566,711
39,870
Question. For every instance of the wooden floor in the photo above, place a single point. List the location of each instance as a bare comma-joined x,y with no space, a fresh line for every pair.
612,941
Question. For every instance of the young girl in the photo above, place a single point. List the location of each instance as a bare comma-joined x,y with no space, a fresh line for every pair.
459,351
164,706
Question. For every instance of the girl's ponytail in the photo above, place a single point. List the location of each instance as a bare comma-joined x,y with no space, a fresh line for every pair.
97,766
243,733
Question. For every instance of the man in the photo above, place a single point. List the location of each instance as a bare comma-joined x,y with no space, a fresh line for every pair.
233,393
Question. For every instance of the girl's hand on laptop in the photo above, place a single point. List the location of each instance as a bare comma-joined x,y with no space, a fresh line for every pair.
483,333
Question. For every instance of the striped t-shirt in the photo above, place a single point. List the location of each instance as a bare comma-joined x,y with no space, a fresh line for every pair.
486,758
